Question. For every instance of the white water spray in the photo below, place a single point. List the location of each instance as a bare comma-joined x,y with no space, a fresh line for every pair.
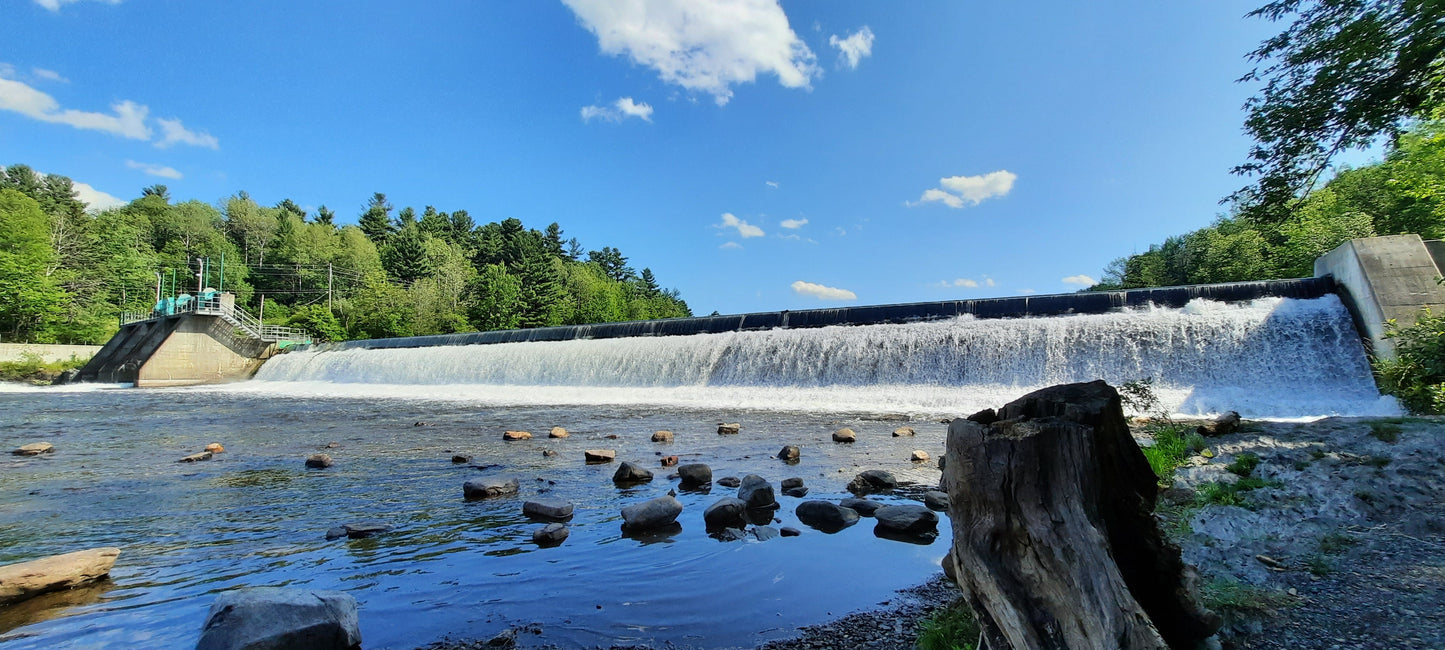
1270,357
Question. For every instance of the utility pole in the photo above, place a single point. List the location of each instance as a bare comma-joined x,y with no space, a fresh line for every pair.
158,287
200,274
328,286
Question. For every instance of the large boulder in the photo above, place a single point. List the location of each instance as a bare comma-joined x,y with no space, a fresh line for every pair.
873,480
547,509
654,513
726,512
269,618
24,580
826,516
863,507
756,492
631,473
913,521
34,449
694,474
482,488
845,435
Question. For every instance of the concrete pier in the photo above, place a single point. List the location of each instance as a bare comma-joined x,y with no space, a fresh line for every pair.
1383,279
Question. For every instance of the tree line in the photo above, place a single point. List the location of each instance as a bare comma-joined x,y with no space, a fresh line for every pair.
66,272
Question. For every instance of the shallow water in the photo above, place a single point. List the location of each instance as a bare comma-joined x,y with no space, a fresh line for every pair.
254,516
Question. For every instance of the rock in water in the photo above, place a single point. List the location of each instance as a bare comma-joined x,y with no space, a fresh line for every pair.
358,530
790,453
482,488
914,521
215,448
34,449
319,461
694,474
919,456
731,535
792,482
516,435
726,512
873,480
729,429
558,432
459,459
825,516
669,461
662,436
281,619
861,506
631,473
756,492
903,431
547,509
654,513
935,500
599,455
550,535
24,580
1225,424
764,533
845,435
729,481
196,458
796,492
789,531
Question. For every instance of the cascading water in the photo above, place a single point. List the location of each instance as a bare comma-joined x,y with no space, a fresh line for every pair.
1270,357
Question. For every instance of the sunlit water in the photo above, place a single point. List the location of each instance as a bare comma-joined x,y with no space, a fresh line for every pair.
254,516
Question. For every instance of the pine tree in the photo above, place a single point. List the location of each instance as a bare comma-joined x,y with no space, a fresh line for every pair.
405,256
325,217
376,219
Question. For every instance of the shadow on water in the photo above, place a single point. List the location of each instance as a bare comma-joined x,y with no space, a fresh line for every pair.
53,605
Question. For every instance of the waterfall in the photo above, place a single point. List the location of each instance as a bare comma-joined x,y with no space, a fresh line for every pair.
1268,357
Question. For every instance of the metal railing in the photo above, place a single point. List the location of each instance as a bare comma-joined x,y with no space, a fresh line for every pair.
236,316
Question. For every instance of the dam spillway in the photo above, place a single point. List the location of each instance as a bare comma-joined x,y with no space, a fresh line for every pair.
1270,356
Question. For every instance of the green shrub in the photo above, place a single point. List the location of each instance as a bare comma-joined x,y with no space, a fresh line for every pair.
950,628
1417,373
30,368
1243,465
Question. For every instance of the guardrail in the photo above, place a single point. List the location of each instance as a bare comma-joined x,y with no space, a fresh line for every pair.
236,316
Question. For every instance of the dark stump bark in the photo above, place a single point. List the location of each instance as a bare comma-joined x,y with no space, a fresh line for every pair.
1054,536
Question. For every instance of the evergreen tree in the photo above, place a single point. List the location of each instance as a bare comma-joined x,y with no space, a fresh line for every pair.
649,283
287,206
376,219
554,240
405,255
496,299
325,217
157,190
407,217
612,263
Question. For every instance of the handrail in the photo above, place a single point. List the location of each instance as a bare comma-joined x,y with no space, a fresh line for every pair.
232,314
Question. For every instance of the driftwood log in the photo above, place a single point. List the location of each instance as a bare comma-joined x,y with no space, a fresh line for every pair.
1054,538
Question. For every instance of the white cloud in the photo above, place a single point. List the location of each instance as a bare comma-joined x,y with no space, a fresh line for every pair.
155,170
701,45
1027,292
96,199
55,5
173,132
1081,280
855,47
772,184
732,245
745,229
969,283
619,110
793,224
822,292
51,75
969,189
128,120
840,230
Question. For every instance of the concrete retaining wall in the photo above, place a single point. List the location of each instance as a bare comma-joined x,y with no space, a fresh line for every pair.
47,352
177,351
1382,279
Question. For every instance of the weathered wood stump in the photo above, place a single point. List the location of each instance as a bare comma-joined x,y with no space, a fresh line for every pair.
1054,537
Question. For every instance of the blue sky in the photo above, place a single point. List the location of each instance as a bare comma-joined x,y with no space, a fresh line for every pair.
755,155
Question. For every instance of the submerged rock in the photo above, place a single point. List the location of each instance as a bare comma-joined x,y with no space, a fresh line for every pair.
268,618
196,458
558,432
24,580
935,500
789,531
34,449
791,482
845,435
729,429
654,513
516,435
790,453
662,436
729,481
548,453
547,509
919,456
726,512
903,431
764,533
912,521
631,473
797,492
694,474
599,455
873,480
550,535
668,461
731,535
482,488
319,461
861,506
459,459
825,516
756,492
358,530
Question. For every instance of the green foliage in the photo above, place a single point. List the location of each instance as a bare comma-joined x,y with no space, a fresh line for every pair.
31,369
951,628
1386,431
29,299
1232,598
1221,493
1417,373
319,321
1173,445
1243,464
1138,396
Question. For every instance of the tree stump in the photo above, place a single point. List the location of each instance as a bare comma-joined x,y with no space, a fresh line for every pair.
1054,537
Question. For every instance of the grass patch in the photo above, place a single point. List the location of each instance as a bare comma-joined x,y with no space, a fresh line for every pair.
950,628
1231,597
30,368
1243,464
1336,543
1173,444
1386,431
1319,565
1220,493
